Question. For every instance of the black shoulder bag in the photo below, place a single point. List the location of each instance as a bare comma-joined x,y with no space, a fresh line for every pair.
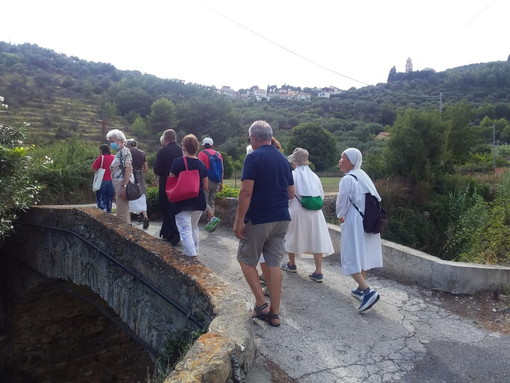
133,190
375,218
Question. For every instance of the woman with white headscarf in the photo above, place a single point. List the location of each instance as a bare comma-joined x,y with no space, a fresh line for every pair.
308,231
360,251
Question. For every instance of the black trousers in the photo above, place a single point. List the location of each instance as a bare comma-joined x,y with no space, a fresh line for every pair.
169,229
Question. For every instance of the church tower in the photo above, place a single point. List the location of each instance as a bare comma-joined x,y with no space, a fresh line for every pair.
409,65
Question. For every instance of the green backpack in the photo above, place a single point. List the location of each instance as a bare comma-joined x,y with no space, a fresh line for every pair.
311,203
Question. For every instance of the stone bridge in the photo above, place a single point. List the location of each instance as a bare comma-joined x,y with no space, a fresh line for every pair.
147,285
150,291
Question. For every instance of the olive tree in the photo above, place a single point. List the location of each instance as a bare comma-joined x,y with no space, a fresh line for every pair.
318,141
417,145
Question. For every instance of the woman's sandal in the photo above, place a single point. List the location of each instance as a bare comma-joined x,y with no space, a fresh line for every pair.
258,311
270,317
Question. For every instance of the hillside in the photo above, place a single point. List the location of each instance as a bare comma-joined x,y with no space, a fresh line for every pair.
60,96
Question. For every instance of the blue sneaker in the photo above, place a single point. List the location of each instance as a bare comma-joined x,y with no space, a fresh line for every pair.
316,277
368,301
290,268
358,294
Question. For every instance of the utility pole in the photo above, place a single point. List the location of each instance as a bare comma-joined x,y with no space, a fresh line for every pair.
440,104
494,146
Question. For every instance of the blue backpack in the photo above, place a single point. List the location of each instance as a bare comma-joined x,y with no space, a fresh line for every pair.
215,170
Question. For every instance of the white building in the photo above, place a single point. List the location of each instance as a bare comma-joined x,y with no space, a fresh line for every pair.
228,92
259,94
327,92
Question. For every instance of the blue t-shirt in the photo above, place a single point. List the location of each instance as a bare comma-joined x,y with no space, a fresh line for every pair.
192,204
270,171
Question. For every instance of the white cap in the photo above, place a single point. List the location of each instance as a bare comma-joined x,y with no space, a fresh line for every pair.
207,141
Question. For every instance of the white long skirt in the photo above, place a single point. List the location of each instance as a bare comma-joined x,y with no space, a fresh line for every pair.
307,232
359,251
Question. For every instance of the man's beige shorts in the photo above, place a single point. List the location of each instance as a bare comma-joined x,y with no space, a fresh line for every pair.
266,239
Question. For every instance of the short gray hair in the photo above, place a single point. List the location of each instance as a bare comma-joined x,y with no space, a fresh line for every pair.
116,134
262,130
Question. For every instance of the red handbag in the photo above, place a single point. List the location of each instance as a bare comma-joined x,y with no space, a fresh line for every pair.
185,186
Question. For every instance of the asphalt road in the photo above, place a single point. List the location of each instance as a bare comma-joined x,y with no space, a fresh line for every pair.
408,336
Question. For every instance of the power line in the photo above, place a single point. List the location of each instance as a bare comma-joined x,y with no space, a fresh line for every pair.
480,13
283,47
308,59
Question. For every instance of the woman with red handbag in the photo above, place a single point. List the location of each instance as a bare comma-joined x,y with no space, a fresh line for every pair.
188,211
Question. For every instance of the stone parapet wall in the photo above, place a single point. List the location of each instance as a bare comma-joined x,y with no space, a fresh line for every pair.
193,287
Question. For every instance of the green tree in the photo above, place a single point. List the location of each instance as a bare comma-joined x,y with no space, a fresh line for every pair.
162,116
417,145
107,110
139,127
500,126
462,135
392,75
18,190
209,116
318,141
136,99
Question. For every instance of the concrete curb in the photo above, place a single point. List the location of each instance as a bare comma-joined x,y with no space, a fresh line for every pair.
413,266
410,265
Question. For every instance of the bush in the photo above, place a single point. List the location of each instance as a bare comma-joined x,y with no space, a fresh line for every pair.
410,228
152,195
64,169
228,191
228,165
490,239
18,189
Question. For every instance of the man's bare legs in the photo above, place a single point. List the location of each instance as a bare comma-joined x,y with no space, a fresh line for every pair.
274,282
252,277
264,270
275,287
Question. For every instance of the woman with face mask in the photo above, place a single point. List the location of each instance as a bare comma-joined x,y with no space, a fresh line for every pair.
122,172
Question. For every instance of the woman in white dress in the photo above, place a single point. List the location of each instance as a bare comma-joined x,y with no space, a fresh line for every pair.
308,231
360,251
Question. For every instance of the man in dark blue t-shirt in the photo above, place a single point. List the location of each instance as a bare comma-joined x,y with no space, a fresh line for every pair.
262,217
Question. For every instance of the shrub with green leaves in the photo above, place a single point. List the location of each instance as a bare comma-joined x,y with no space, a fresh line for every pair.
228,191
490,242
64,169
18,189
152,195
467,213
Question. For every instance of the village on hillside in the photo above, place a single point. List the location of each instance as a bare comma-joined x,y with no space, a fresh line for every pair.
274,92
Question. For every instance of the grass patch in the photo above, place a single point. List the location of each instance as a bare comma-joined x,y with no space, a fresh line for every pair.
329,184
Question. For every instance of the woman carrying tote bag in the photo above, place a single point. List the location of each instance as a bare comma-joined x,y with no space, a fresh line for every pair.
104,195
188,211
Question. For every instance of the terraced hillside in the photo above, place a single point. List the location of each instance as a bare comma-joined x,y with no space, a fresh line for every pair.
58,117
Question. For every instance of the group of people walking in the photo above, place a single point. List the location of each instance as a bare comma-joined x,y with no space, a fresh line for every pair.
271,219
128,164
180,219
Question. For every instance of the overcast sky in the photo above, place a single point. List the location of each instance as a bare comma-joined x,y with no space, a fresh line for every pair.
267,42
